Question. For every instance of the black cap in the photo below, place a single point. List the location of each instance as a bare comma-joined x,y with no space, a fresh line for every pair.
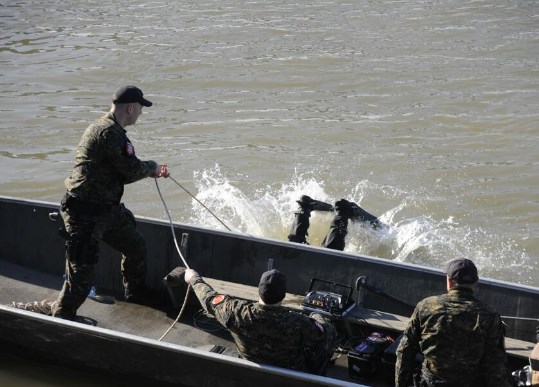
129,94
272,286
462,271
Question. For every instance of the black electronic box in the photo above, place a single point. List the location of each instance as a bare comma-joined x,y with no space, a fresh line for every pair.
366,357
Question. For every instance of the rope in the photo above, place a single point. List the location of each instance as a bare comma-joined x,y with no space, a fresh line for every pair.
171,225
179,314
178,247
520,318
182,258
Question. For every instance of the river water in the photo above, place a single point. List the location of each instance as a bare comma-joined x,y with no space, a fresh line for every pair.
422,112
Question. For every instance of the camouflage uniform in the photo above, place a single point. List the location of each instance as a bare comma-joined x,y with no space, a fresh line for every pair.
91,209
461,340
270,334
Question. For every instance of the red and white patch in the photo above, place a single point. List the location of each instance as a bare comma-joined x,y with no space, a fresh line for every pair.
129,149
217,299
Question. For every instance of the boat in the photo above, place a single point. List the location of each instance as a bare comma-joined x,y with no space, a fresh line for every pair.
176,344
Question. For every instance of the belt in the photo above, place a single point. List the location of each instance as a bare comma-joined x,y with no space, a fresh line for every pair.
84,207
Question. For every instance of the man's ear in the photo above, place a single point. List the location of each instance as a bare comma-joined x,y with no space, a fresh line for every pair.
450,283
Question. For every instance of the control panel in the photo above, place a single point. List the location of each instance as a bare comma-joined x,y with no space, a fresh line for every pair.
327,297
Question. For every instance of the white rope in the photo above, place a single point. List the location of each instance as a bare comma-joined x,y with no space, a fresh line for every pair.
171,224
520,318
179,314
182,258
177,246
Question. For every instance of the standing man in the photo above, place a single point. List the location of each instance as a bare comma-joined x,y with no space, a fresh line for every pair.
460,337
264,331
105,161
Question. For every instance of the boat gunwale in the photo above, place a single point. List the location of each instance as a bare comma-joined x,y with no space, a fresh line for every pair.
176,348
360,257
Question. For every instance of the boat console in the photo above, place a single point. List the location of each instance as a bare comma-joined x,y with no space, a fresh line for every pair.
328,298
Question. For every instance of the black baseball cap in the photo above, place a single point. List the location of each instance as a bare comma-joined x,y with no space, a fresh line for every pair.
272,286
129,94
462,271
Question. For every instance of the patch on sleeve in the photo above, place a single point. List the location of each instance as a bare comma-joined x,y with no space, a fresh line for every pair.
129,149
217,299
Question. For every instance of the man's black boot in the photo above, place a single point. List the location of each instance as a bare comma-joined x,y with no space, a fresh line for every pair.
345,208
308,203
300,226
356,213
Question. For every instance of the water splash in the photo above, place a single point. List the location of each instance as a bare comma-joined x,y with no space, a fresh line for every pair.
412,236
226,201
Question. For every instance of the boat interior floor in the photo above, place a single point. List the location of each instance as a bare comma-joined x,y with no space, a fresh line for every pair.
194,329
19,284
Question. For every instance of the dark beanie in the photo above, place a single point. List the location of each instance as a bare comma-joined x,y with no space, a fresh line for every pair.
272,286
462,271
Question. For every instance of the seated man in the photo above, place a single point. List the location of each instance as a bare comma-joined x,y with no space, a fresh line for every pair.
264,331
338,229
460,337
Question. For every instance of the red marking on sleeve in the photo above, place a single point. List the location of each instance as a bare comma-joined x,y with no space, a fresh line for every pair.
217,299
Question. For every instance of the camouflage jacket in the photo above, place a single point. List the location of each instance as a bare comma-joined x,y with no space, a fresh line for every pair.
105,160
266,334
461,340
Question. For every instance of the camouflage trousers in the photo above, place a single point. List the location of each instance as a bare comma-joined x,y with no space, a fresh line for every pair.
85,227
316,361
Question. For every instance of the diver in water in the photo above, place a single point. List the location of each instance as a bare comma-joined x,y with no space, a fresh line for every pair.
338,228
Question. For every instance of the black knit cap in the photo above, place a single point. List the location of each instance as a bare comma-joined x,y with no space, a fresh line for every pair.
272,286
462,271
129,94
